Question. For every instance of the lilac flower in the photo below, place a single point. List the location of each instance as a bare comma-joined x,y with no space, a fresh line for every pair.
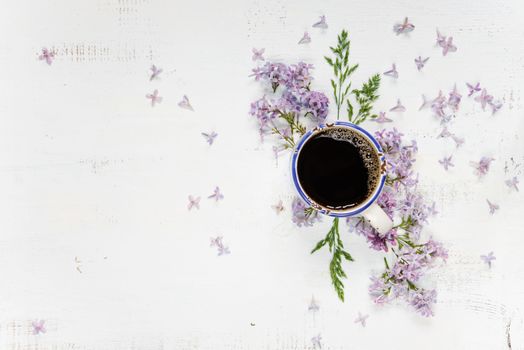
257,54
38,327
492,207
448,46
361,319
488,258
446,162
404,27
279,207
473,88
454,99
306,39
379,290
217,195
300,216
484,99
444,133
185,104
210,137
321,23
482,166
193,202
425,103
299,77
441,39
381,118
276,73
512,183
432,250
392,72
313,305
387,201
420,62
155,72
317,104
398,108
47,56
221,248
154,98
316,341
459,141
495,106
375,240
422,300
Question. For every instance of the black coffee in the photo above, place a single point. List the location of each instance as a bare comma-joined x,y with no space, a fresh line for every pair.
338,168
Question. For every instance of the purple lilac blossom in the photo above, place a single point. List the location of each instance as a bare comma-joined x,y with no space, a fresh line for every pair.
154,98
258,54
404,27
473,88
306,39
361,319
38,327
317,103
484,99
446,162
421,62
217,195
300,217
47,56
392,72
194,202
488,258
513,183
423,300
482,166
398,108
185,104
155,72
321,23
381,119
492,207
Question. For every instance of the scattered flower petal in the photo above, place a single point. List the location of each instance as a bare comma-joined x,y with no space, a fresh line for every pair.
257,54
404,27
210,137
492,207
420,62
47,56
512,183
381,118
444,133
321,23
488,258
185,104
279,207
155,72
313,305
495,106
448,46
154,98
221,248
216,194
484,99
193,202
306,39
392,72
441,39
446,162
473,88
398,108
454,99
361,319
482,166
38,327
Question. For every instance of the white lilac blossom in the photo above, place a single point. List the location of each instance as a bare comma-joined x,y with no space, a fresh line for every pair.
302,215
381,119
38,327
392,72
306,39
512,183
404,27
492,207
398,108
155,72
279,207
185,104
421,62
194,202
257,54
222,249
482,166
473,88
210,137
446,162
154,97
361,319
321,23
488,258
217,195
47,56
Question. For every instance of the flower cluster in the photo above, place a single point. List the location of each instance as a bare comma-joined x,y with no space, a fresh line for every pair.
303,215
292,99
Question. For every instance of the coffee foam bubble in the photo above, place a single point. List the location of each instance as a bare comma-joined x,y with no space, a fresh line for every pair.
366,150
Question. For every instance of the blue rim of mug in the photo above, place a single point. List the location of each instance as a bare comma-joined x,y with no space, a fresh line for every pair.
331,212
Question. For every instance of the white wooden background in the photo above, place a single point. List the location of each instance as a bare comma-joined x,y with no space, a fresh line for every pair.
89,170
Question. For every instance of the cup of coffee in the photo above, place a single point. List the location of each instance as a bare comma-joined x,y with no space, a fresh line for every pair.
339,169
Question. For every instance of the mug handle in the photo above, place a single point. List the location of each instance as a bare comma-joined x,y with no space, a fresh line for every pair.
378,218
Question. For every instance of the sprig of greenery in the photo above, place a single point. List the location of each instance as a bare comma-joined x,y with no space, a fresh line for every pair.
335,246
341,84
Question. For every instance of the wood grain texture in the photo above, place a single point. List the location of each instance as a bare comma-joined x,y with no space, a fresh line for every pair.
95,237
